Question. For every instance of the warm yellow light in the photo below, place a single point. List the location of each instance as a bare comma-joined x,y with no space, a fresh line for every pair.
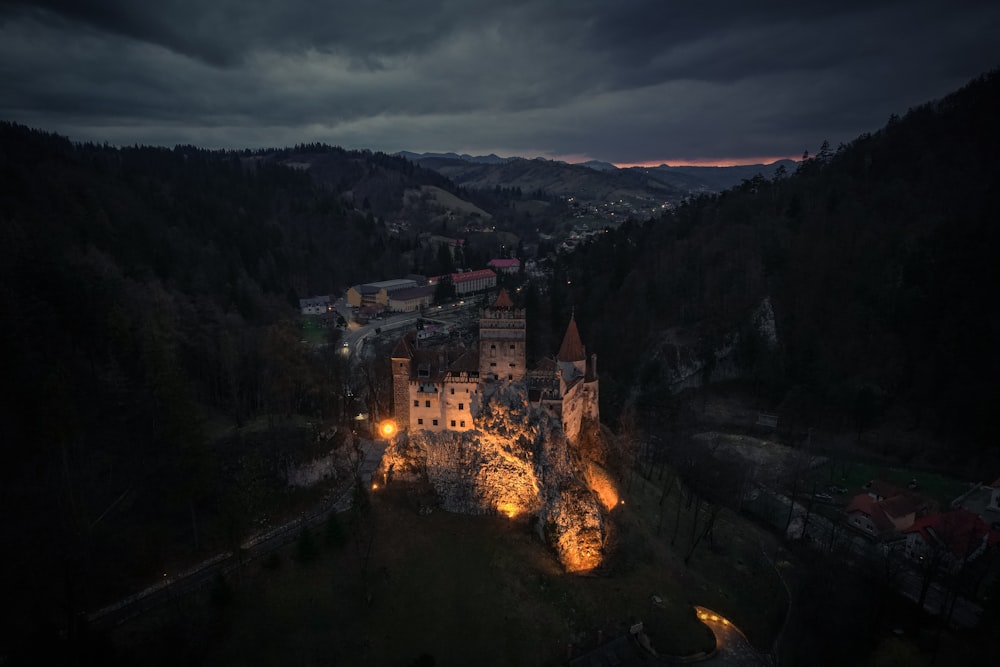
374,486
387,428
509,509
725,621
714,617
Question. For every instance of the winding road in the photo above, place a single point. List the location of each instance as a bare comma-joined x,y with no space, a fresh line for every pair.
732,648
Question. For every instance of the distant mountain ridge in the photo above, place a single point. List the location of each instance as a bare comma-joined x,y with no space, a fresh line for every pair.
479,159
561,178
553,178
714,179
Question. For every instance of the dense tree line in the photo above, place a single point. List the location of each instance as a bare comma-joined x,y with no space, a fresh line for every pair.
145,291
144,294
879,259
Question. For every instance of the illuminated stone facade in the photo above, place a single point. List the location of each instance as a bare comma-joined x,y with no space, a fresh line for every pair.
502,341
515,463
491,437
440,388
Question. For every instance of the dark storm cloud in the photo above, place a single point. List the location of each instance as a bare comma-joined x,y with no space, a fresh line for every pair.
626,81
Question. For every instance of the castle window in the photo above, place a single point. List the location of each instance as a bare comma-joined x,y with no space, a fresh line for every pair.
452,390
435,422
461,406
512,346
453,423
493,351
427,404
416,403
420,422
512,365
462,423
493,364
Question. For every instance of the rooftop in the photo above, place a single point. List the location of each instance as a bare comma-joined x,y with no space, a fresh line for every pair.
572,347
960,530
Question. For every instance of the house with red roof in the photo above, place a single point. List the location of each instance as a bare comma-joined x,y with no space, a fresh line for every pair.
881,519
884,509
958,536
506,266
467,282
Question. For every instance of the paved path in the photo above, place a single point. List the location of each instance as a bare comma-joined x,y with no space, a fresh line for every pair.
732,648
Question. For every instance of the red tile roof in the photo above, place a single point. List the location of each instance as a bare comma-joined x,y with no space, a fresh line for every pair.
472,275
960,530
504,263
898,506
572,347
503,301
871,508
404,348
884,489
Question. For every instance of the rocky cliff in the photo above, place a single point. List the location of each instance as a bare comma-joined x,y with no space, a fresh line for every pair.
516,462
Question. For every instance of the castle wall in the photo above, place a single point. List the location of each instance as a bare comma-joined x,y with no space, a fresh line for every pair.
502,344
447,406
579,403
449,401
460,400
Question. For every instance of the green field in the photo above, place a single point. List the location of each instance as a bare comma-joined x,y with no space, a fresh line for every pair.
854,475
313,331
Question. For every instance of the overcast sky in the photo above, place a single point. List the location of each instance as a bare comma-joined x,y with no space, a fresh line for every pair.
626,81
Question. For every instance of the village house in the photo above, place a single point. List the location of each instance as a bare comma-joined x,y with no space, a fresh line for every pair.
315,305
505,266
884,510
956,537
880,519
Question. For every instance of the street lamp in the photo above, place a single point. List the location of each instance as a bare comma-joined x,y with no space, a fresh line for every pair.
387,428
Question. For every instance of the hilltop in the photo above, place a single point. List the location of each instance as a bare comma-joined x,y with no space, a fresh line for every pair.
637,185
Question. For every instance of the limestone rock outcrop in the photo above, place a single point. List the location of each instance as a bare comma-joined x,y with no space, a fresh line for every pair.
516,462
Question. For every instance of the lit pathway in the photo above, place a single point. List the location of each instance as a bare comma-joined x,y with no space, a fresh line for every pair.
732,647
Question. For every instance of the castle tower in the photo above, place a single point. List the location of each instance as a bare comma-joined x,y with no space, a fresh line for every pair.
502,340
402,357
578,383
572,357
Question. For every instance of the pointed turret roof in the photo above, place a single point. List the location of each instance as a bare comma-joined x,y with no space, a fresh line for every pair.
404,348
503,301
572,347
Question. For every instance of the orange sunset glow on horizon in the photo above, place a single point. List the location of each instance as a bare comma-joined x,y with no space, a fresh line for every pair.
707,162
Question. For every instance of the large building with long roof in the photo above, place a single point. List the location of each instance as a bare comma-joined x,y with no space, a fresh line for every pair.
368,294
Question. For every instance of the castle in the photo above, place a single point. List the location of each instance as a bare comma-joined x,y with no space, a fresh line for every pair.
440,388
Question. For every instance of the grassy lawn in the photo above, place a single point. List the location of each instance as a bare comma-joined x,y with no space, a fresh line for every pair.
465,590
853,476
728,574
312,330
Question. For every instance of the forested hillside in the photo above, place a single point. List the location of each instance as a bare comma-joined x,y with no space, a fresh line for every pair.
146,293
880,261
